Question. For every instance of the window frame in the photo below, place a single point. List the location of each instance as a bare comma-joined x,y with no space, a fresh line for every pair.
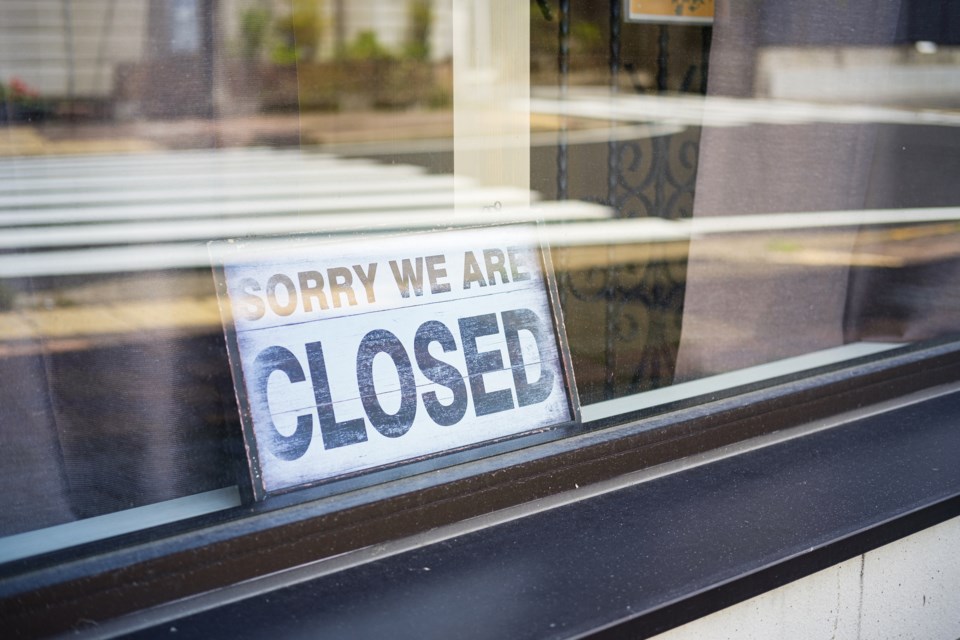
52,593
313,529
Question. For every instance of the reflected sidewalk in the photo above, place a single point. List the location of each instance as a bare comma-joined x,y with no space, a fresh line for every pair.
282,129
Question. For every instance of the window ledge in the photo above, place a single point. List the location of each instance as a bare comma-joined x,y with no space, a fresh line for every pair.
630,562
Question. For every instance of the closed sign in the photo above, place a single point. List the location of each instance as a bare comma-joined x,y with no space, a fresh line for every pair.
348,356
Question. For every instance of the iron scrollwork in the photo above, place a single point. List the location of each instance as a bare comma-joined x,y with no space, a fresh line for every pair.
624,304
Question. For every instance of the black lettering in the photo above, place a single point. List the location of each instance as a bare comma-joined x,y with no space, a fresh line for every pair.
335,434
255,308
341,283
366,279
392,425
435,271
513,323
406,276
518,259
471,271
484,402
279,359
311,286
441,373
291,303
494,261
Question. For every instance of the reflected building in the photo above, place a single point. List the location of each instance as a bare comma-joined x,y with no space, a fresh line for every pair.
197,58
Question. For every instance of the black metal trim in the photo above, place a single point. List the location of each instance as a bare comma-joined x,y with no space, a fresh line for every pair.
748,586
639,560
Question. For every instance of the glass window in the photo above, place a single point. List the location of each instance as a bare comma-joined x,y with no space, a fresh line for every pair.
729,198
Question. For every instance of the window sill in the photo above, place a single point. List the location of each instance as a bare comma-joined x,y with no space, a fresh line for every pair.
719,463
631,562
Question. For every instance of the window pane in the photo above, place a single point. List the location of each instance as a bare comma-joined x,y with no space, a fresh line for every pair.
726,202
781,182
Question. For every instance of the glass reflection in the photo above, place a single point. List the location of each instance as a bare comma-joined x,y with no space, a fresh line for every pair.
767,193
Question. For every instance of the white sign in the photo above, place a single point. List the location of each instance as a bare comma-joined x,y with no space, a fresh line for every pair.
357,354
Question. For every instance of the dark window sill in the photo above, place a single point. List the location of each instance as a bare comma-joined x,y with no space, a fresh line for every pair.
639,560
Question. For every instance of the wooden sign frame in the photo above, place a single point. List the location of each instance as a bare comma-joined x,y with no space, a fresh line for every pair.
355,354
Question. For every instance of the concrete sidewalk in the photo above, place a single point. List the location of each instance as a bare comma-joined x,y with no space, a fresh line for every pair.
286,129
